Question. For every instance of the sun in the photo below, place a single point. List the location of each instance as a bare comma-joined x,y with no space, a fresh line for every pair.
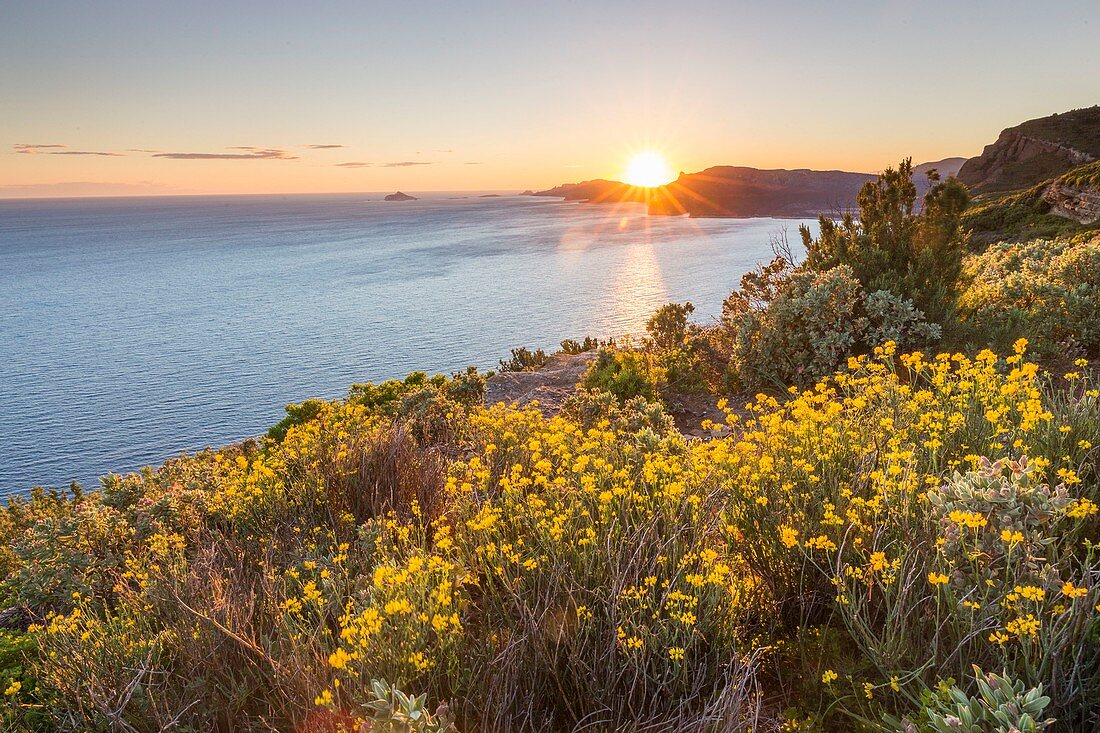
648,168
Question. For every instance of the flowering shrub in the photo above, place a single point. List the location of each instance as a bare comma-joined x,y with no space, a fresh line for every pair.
837,552
1047,291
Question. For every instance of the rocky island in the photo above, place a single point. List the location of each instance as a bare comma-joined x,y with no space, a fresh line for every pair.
400,197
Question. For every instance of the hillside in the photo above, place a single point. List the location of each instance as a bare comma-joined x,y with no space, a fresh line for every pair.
730,191
739,191
1061,206
1035,151
599,190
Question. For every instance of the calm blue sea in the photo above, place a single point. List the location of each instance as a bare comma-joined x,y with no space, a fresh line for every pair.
134,329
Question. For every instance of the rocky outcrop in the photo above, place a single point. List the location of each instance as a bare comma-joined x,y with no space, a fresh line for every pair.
1035,151
400,197
549,386
1078,202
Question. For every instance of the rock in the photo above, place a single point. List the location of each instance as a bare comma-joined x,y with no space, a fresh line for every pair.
400,197
549,385
1078,202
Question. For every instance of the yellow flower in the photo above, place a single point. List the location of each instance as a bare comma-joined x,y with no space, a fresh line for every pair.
1023,626
1030,592
14,687
339,658
788,536
1073,591
1081,509
829,676
937,578
676,653
974,520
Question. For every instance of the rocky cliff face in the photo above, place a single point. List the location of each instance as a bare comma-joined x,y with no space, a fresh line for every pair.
1035,151
1080,202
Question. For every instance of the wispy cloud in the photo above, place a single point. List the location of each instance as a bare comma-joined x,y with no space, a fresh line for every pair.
323,147
354,164
55,149
406,163
31,149
252,153
475,162
141,150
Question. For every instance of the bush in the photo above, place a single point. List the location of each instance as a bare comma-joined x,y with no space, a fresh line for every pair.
573,347
917,256
624,373
592,408
1047,292
792,326
590,570
524,360
805,331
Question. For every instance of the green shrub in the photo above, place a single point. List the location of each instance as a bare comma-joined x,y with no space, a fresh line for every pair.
524,360
591,407
915,254
796,327
624,373
573,347
792,326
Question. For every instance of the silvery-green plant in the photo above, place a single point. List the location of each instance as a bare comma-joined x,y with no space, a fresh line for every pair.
392,711
1003,705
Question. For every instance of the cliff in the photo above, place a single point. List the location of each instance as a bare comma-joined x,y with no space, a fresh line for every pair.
1035,151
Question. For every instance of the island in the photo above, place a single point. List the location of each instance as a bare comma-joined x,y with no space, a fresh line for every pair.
400,197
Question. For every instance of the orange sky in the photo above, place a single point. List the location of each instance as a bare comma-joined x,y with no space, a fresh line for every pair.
508,96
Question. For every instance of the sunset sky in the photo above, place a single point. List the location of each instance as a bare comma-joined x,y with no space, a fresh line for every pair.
190,96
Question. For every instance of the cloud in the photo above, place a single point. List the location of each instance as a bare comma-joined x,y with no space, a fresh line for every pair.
449,150
252,153
323,147
476,162
354,164
406,163
31,149
141,150
54,149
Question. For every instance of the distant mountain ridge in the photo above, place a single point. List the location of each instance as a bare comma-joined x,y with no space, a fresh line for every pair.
740,191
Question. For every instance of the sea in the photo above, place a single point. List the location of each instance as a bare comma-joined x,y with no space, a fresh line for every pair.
135,329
